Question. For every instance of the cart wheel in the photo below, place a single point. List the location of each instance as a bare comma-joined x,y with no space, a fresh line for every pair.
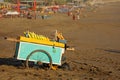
39,62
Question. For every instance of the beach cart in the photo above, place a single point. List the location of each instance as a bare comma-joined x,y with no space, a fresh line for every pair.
37,49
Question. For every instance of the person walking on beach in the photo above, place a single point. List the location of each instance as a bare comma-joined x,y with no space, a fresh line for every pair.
1,16
78,14
68,13
73,16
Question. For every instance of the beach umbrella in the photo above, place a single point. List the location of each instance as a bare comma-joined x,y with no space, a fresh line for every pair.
34,8
18,5
34,5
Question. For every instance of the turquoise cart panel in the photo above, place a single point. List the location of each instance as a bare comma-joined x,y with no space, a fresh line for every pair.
23,49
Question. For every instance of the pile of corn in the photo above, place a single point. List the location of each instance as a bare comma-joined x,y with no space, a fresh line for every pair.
35,36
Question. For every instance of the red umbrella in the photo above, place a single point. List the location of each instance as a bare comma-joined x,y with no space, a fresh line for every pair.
34,5
18,5
34,8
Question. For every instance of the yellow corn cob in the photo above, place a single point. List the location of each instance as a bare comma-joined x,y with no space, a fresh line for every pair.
36,36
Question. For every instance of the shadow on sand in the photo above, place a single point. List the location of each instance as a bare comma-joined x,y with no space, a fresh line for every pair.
11,61
110,50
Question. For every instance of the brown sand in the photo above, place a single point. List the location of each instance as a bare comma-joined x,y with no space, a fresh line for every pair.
95,37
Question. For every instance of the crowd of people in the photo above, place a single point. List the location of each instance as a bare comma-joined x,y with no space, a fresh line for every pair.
44,13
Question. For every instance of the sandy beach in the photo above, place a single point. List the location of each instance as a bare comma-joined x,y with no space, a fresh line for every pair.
95,37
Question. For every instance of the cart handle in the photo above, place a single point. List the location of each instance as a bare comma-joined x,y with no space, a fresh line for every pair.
11,39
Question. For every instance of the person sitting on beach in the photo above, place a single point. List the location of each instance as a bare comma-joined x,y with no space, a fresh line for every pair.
29,15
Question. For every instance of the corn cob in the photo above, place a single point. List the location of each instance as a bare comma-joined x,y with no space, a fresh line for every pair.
35,36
